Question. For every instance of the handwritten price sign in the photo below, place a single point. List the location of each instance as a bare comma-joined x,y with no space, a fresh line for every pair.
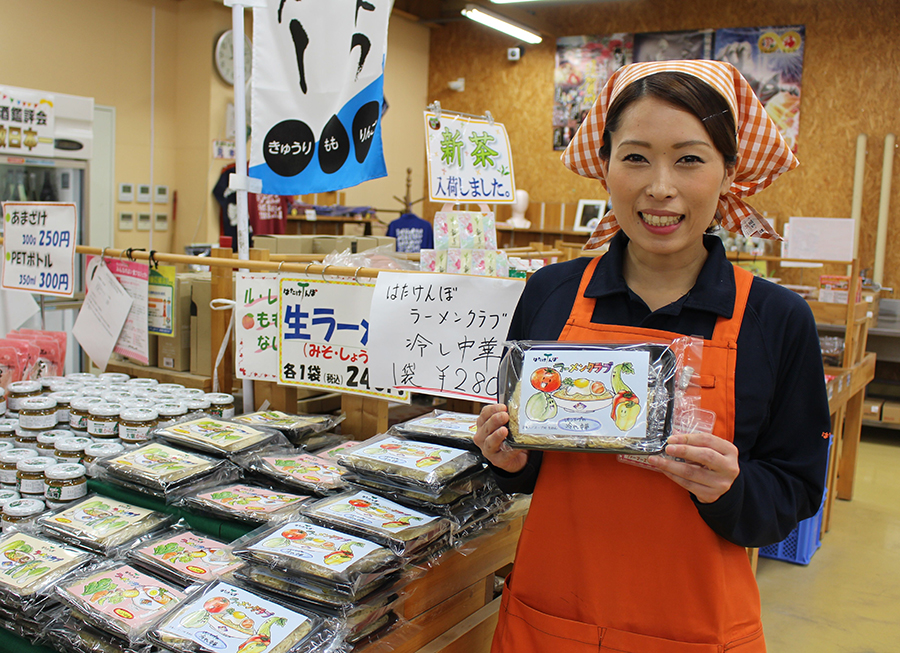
39,247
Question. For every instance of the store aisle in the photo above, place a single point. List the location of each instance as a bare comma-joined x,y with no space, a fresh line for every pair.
848,598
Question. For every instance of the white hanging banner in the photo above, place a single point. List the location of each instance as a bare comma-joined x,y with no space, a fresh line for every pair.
102,316
256,326
26,122
441,334
318,81
324,337
469,160
39,247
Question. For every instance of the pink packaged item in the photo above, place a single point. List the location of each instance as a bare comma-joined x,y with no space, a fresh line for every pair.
28,354
454,261
50,361
10,372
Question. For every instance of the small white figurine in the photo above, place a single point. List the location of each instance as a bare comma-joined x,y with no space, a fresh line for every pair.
518,211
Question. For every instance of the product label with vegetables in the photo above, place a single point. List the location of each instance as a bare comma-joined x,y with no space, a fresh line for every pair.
193,555
375,511
231,620
158,460
26,560
97,517
125,595
306,467
408,453
585,393
243,498
317,545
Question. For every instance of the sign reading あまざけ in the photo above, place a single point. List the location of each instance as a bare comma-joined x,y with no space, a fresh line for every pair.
323,337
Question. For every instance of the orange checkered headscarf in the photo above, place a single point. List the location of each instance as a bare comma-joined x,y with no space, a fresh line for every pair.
763,154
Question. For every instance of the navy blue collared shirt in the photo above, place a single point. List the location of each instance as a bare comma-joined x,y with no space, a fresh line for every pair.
781,405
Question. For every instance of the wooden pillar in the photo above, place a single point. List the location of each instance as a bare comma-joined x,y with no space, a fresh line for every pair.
222,288
280,397
366,416
850,448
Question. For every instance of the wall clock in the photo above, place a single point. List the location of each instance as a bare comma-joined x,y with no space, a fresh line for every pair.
223,55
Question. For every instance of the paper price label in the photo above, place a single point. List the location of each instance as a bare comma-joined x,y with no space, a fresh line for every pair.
39,247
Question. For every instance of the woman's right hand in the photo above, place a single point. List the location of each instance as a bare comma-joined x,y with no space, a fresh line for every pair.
491,439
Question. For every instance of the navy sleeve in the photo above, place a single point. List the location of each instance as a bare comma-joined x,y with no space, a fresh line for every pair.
781,425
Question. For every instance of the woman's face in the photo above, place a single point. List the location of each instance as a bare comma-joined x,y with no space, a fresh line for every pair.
665,177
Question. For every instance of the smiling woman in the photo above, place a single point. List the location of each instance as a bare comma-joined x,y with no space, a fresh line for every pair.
678,145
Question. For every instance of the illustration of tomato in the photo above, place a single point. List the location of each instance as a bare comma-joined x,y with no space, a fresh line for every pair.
293,534
359,503
216,604
545,379
247,321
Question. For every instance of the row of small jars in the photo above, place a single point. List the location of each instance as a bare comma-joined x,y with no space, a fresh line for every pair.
39,483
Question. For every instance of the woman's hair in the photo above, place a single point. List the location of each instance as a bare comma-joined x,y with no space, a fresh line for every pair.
684,92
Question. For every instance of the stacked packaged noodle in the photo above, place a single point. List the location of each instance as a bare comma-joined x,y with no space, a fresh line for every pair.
31,566
295,470
437,478
217,436
326,570
163,471
307,430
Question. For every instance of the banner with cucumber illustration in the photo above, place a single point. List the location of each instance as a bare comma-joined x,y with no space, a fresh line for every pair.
602,393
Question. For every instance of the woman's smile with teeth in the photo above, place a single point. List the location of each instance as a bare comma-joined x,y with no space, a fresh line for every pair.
660,220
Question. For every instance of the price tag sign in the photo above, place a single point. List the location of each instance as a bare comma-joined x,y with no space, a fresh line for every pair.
39,247
323,337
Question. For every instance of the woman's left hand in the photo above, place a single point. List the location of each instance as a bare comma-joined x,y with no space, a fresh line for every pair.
710,467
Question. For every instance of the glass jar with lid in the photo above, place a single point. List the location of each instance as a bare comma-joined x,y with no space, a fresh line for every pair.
142,382
30,476
66,482
6,496
71,450
221,404
26,439
17,392
66,386
20,512
5,446
81,377
195,406
139,402
114,377
103,421
79,410
37,414
63,400
8,428
170,413
48,381
101,450
135,424
8,461
46,441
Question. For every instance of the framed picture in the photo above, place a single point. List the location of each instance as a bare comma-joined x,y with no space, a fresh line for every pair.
589,214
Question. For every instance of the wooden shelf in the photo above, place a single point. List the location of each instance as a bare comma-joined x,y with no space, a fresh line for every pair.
881,425
162,375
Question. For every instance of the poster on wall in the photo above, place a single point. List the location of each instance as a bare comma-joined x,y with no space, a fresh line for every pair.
771,59
583,64
26,123
669,46
317,95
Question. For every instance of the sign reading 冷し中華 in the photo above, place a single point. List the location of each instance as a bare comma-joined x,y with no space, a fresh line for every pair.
39,247
318,81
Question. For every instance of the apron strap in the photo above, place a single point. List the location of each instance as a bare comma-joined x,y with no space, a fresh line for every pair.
583,309
727,328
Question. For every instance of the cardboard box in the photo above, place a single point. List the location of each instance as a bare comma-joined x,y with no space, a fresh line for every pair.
890,412
175,352
285,244
872,409
201,327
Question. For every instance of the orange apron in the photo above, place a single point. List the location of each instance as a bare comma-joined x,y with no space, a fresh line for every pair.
615,557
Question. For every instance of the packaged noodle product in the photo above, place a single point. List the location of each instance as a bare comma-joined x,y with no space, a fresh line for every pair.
303,548
373,517
119,599
408,462
594,397
297,428
442,427
165,471
332,450
71,633
295,469
245,502
103,525
185,557
218,436
466,490
227,618
31,565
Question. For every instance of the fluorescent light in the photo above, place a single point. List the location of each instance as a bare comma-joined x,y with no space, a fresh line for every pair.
501,24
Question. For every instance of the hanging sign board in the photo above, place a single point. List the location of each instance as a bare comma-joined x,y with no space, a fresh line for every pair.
469,160
26,122
134,277
102,316
441,334
324,337
256,326
160,301
318,80
39,247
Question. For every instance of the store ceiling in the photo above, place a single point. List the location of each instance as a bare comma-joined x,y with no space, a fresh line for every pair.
437,12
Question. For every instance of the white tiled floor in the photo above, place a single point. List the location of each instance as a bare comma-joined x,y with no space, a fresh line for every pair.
848,598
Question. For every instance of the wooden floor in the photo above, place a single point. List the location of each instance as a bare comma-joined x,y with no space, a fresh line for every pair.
848,598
